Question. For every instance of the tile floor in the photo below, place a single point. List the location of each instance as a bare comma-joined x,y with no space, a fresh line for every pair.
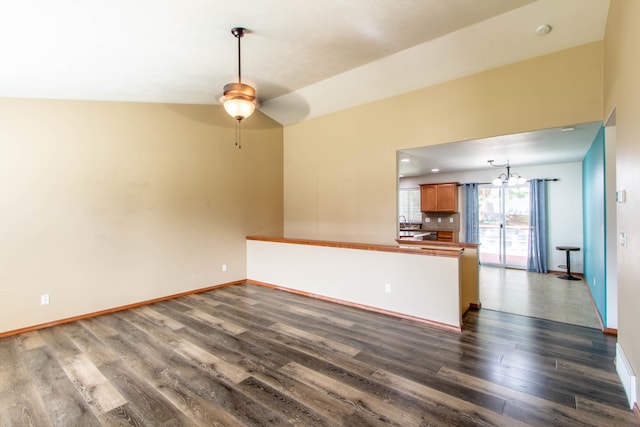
537,295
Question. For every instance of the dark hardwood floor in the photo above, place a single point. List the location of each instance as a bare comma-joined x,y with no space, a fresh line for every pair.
248,355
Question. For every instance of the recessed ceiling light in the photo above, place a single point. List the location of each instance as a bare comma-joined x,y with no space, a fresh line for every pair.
543,29
567,129
435,170
405,160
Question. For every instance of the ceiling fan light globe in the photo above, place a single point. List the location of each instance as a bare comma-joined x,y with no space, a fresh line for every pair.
521,180
239,100
239,108
497,182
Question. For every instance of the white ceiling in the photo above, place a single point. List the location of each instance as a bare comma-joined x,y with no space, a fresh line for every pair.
542,147
305,58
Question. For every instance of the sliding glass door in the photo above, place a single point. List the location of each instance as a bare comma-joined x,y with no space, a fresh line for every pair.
504,225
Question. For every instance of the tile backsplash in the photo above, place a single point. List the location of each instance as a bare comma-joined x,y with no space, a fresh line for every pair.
441,221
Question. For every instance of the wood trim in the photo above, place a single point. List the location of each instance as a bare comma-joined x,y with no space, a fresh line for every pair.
453,252
605,330
113,310
437,325
438,243
595,308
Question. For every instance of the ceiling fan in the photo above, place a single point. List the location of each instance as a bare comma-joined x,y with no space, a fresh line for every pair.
239,99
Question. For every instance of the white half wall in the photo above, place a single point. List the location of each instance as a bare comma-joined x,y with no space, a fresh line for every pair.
422,286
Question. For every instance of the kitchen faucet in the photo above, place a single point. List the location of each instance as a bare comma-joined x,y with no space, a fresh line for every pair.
405,221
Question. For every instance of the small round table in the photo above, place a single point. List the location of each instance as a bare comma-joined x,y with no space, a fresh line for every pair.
568,250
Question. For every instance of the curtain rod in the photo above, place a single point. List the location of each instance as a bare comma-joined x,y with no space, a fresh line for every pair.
487,183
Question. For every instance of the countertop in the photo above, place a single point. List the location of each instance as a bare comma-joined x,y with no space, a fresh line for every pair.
426,230
437,244
451,250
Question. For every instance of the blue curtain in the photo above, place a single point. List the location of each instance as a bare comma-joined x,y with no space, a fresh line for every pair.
471,211
537,254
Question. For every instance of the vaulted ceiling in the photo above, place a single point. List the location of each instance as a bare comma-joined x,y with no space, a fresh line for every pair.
305,59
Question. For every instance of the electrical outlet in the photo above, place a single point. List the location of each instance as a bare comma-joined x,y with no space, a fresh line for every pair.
44,299
387,288
224,267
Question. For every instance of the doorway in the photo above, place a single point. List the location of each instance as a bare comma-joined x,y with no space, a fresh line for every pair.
504,225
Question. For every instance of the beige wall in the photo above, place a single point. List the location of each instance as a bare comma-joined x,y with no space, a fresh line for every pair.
340,169
106,204
622,91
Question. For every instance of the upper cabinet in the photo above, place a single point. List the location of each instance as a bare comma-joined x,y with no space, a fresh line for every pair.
439,197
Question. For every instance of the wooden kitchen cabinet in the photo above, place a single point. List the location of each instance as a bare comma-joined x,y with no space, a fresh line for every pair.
439,197
428,198
447,236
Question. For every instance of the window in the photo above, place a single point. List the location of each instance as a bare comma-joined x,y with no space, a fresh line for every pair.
409,205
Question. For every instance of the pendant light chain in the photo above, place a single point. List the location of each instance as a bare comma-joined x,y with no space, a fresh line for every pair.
238,142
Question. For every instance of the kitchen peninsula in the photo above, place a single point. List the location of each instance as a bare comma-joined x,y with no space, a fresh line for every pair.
432,284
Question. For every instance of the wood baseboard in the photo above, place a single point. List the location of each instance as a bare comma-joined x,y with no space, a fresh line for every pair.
604,329
113,310
434,324
438,325
473,306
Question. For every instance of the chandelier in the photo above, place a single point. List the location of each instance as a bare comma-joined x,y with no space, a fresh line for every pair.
509,178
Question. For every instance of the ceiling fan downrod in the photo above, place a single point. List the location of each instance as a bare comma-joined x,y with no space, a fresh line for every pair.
238,33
